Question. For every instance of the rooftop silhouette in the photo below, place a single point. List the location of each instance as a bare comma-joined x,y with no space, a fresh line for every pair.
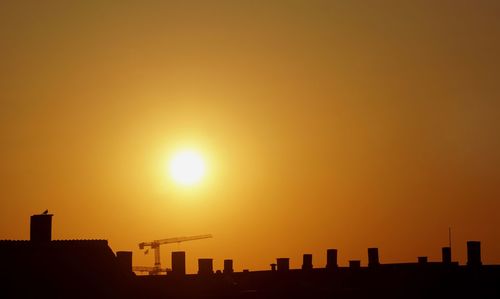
42,267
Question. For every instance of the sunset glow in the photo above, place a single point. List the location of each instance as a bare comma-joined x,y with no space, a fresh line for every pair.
281,127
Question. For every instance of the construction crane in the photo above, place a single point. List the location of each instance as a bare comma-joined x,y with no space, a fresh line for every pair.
155,246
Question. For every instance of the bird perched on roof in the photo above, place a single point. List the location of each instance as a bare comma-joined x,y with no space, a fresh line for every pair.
45,212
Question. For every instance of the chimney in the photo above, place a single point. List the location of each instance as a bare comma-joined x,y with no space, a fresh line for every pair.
283,264
331,259
373,257
178,263
422,260
124,261
273,267
474,253
205,266
355,264
446,255
228,267
41,228
307,262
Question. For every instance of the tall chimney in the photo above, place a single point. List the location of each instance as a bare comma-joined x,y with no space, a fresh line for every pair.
474,253
373,257
331,259
307,262
228,267
178,263
41,228
446,255
205,266
124,261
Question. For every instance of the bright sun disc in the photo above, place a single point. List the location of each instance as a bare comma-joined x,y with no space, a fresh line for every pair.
187,168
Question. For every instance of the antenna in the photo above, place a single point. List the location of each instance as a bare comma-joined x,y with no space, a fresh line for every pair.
449,237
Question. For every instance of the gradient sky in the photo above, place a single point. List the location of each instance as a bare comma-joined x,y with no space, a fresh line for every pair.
325,124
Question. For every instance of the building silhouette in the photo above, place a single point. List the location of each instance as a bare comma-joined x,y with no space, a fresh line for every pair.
46,268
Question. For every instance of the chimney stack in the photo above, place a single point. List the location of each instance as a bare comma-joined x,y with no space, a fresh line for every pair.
331,259
124,261
474,253
283,264
228,267
273,267
446,255
178,263
355,264
41,228
422,260
205,266
373,260
307,262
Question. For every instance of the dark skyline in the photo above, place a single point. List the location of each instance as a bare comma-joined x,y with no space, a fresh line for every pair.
48,268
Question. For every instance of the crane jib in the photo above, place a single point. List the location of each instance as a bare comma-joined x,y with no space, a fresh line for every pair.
155,245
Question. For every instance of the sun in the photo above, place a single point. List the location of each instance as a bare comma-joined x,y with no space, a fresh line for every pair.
187,168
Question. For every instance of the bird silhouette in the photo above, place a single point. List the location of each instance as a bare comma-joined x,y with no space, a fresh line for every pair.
45,212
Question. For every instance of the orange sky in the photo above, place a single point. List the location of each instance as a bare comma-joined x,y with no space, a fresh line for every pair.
325,124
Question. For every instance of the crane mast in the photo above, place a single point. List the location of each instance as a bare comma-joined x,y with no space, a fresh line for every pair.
155,246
